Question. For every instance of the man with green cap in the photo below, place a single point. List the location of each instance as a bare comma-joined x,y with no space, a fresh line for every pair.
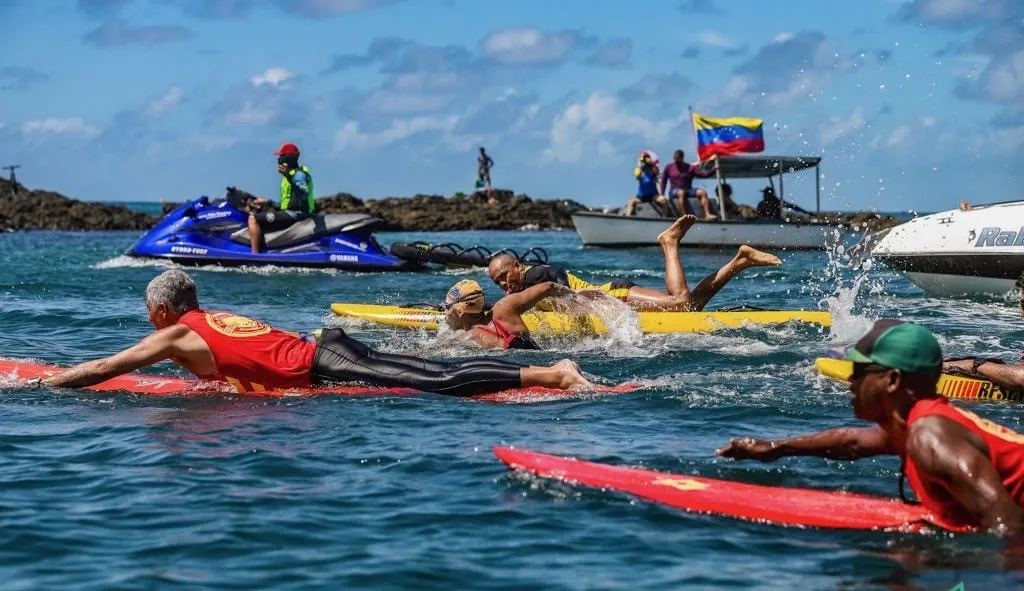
965,469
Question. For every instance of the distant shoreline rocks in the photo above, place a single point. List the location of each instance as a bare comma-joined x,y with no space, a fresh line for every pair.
32,209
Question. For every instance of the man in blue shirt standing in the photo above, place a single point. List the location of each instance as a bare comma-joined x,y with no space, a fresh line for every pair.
297,198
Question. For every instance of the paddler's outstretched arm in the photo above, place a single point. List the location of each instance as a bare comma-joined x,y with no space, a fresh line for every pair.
945,457
524,300
843,443
156,347
1005,375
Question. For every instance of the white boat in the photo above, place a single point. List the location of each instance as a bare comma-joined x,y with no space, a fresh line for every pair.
789,233
613,230
956,252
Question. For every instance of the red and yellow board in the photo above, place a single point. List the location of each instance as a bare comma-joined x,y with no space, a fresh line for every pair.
753,502
950,385
174,386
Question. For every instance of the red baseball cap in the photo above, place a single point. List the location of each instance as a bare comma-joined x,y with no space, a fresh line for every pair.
287,150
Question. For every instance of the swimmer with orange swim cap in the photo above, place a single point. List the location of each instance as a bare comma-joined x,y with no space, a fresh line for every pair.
502,326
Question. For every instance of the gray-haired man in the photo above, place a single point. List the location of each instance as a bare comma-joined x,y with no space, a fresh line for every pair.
253,356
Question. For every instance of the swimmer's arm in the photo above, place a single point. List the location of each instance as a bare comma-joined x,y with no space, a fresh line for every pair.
528,298
1009,376
943,454
843,443
156,347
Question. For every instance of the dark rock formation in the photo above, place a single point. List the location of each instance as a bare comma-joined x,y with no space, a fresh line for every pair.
45,210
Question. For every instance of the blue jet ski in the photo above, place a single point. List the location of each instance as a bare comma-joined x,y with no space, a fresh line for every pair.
205,232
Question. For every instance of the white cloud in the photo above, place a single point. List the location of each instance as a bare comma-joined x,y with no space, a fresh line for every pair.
928,121
162,104
272,77
713,39
581,127
252,112
74,126
782,37
836,128
388,102
521,45
351,137
1003,81
209,143
898,136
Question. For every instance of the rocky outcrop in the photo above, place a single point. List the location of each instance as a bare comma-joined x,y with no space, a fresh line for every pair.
45,210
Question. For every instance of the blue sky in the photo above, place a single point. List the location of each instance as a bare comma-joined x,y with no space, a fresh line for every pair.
912,104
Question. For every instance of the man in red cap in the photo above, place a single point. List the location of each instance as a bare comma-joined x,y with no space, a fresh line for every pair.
297,198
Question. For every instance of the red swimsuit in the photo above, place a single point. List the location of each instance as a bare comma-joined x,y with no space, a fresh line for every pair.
509,339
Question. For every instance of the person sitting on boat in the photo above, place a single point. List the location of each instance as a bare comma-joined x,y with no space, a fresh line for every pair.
646,174
724,192
512,276
1008,376
254,357
297,198
965,469
501,326
770,206
679,177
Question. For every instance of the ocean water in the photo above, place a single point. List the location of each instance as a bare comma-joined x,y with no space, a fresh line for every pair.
118,491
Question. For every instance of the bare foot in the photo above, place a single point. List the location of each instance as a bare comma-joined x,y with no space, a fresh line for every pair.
572,376
751,257
674,233
710,216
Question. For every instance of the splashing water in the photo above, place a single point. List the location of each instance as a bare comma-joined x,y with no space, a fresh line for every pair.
839,298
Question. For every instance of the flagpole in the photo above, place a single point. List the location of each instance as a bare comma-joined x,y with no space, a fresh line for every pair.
696,145
718,171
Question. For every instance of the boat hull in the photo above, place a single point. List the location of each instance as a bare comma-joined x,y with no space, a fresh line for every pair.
952,253
616,231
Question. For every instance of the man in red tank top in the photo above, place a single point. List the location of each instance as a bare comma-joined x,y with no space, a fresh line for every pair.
965,469
253,356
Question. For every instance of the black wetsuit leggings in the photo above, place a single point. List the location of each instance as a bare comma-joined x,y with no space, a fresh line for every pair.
340,358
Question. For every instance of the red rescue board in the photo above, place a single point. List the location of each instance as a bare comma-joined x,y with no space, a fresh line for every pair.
172,386
754,502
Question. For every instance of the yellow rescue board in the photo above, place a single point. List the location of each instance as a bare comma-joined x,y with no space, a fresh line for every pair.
950,385
555,323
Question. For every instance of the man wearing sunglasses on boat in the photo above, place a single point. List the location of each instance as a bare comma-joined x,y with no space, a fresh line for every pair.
1008,376
966,470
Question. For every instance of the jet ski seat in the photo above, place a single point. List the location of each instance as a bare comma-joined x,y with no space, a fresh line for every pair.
314,227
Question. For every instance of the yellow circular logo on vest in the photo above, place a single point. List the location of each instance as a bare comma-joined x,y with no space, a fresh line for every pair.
233,325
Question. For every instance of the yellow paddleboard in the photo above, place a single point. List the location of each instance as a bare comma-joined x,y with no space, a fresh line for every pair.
556,323
950,385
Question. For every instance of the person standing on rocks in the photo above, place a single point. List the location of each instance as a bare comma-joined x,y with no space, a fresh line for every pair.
297,198
483,174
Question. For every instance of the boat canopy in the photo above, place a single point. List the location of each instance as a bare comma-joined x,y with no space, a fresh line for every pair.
756,167
748,166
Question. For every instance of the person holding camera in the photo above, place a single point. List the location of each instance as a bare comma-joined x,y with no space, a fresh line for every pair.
297,198
647,174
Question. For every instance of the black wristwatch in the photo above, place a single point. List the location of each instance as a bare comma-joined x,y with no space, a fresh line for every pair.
977,363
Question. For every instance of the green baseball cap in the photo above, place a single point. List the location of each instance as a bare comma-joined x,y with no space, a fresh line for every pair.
906,346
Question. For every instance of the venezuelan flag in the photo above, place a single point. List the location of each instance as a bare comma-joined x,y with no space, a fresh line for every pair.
731,135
